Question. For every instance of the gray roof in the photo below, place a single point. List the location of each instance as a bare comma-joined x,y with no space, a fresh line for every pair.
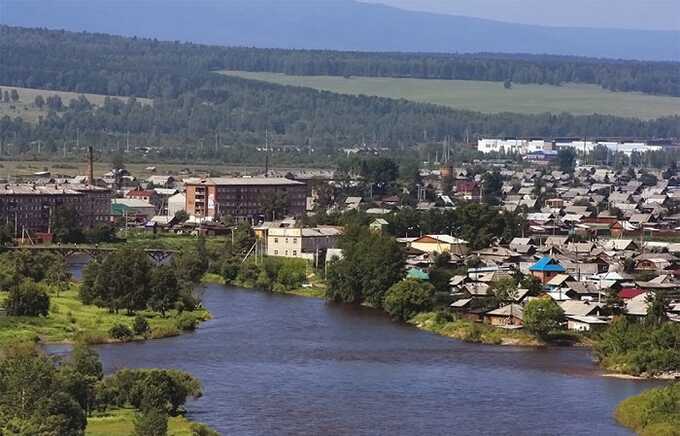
239,181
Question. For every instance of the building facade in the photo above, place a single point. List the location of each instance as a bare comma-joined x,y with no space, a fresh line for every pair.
243,198
307,243
30,208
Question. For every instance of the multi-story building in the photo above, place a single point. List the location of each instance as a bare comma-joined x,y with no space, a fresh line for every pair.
307,243
243,198
30,207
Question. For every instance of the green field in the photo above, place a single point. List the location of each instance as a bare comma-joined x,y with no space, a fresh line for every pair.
26,109
489,97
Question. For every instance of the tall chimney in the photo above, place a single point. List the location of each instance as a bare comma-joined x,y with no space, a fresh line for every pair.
90,166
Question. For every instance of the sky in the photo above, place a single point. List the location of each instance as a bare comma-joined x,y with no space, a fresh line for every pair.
622,14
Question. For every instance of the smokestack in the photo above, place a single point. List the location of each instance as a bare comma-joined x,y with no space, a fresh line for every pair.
90,167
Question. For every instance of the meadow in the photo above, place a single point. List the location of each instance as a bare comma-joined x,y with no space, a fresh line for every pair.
488,97
25,107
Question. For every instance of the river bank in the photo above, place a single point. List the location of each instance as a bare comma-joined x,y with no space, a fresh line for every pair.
71,321
122,422
655,412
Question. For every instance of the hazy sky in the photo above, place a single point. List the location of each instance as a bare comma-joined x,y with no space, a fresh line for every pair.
627,14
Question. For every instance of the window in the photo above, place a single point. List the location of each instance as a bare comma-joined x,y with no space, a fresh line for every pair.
276,252
294,252
286,252
276,240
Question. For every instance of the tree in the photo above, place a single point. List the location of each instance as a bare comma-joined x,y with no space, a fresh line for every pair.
492,184
406,299
542,316
58,275
39,101
531,283
566,159
151,422
230,269
66,225
27,299
273,204
140,326
371,264
181,216
165,289
118,161
657,308
5,97
503,291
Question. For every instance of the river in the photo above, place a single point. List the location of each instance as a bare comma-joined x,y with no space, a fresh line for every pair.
273,364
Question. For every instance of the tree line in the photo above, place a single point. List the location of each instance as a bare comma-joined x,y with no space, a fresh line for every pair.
45,395
224,117
662,78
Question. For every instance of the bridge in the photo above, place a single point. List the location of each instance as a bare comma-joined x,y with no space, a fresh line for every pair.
158,255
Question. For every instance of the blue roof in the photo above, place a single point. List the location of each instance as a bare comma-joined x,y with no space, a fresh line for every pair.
547,264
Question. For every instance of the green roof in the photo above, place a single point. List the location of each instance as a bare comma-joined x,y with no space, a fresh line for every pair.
418,274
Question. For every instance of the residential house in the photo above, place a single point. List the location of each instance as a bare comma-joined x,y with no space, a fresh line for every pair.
440,244
546,268
506,316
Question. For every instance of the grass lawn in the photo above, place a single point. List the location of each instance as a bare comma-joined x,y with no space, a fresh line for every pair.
121,422
488,97
71,320
26,109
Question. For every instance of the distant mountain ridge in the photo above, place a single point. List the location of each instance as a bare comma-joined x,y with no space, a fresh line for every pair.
333,25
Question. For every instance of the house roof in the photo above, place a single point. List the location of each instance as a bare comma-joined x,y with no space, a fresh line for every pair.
579,307
628,293
461,303
418,274
547,264
515,310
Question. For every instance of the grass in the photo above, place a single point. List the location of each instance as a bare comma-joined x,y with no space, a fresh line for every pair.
470,331
70,320
26,109
120,422
488,97
655,412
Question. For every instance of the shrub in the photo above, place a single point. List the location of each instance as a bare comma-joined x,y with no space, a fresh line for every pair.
121,332
186,322
140,326
27,299
474,334
151,422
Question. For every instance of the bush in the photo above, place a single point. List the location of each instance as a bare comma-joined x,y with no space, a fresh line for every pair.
654,412
121,332
27,299
230,269
140,326
186,322
151,422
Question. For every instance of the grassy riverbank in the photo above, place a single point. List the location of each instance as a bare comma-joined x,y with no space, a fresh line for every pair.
70,320
655,412
469,331
315,289
122,422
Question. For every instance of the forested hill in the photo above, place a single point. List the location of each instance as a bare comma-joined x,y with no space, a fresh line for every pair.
192,105
331,24
662,78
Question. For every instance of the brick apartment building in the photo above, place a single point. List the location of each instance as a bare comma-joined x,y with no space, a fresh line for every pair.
30,207
241,198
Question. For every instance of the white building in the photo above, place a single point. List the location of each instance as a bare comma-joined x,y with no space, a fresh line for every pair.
513,145
533,145
176,203
301,243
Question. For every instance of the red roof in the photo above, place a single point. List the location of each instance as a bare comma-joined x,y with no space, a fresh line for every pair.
628,293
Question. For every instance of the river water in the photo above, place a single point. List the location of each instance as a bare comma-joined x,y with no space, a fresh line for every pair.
273,364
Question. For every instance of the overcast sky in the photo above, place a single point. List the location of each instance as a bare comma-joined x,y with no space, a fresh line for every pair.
626,14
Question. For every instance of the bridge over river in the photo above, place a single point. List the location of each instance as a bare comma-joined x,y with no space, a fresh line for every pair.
158,255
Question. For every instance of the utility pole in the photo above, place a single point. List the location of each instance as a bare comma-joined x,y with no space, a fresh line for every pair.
266,153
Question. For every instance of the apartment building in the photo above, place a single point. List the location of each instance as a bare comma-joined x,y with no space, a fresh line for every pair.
301,243
243,198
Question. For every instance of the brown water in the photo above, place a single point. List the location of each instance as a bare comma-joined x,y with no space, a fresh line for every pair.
275,365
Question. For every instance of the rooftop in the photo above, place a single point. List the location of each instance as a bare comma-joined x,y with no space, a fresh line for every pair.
243,181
